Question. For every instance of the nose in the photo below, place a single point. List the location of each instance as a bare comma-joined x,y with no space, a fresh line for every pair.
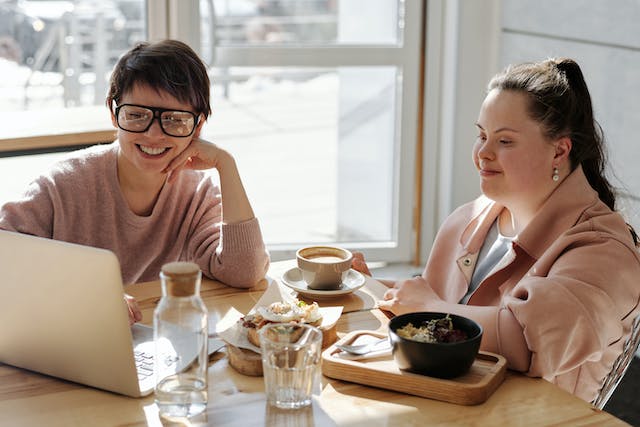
155,130
485,150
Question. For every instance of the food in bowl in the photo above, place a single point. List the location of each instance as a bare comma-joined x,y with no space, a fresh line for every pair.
436,359
435,330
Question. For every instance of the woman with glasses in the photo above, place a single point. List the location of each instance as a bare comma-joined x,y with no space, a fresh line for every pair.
542,260
145,196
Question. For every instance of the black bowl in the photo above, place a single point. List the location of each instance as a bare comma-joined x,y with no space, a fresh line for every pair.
442,360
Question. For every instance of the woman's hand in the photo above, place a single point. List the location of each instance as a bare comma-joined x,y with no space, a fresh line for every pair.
199,154
358,263
408,296
135,315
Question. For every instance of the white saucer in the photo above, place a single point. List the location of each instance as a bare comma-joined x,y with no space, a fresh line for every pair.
293,279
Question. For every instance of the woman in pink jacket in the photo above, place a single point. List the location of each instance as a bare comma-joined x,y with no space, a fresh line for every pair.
542,260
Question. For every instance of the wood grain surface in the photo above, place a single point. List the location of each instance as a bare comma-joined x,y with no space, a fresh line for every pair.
485,375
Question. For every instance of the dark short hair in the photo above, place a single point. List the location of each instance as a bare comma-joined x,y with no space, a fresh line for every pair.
170,66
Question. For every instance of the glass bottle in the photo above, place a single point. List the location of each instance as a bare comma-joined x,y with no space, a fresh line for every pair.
180,334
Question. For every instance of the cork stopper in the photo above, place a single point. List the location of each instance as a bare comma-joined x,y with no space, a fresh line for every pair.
181,279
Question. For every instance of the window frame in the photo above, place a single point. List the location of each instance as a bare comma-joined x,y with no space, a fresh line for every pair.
407,56
180,19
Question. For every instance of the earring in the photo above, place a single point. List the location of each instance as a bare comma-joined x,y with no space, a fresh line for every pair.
555,175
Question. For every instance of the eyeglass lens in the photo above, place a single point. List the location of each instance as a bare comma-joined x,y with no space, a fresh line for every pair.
135,118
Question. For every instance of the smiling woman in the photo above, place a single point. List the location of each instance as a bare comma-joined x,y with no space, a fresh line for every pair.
145,197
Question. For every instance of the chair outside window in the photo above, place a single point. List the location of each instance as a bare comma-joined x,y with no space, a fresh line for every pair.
619,366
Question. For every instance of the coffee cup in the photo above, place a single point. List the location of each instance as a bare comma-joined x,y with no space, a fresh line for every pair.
324,267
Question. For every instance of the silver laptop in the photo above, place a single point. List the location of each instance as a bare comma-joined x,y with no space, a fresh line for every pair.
62,313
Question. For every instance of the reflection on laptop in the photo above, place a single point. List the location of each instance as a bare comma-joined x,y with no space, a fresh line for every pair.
62,313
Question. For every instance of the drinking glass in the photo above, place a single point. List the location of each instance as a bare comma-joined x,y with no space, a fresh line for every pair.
291,360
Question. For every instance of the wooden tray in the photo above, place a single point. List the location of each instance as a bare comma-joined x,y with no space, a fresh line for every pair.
485,375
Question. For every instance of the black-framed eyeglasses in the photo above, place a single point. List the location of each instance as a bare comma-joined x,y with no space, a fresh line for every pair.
138,118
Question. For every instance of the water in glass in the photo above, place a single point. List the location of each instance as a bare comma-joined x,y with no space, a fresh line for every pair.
291,356
181,396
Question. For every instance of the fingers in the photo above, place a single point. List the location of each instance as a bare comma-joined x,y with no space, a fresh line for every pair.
186,158
172,173
199,154
389,301
358,256
387,307
181,161
384,305
132,316
358,263
135,315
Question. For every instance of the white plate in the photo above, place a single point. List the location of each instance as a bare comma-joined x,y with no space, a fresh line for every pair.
293,279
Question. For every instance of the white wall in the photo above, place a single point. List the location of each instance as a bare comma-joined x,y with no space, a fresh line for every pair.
604,38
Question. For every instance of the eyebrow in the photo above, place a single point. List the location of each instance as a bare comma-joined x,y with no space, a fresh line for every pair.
499,130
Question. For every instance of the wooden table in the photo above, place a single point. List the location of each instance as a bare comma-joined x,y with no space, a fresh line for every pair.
31,399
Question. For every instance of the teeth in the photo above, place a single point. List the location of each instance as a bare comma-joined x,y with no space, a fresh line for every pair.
154,151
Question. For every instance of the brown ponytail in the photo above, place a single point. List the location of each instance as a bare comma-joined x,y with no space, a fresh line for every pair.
586,134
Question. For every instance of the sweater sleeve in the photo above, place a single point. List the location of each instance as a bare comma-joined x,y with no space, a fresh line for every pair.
33,213
234,254
241,259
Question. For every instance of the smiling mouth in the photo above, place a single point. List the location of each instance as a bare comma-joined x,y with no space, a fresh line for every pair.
488,172
152,151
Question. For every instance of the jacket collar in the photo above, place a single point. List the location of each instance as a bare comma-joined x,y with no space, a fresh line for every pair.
559,212
485,213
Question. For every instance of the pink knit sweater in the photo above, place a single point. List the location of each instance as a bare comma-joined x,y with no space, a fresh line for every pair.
79,200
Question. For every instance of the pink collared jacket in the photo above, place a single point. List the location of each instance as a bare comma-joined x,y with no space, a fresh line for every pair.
561,303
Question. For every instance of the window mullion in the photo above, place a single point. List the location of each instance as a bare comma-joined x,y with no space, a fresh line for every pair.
157,19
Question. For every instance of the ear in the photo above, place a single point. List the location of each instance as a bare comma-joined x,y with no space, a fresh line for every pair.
196,132
114,122
562,149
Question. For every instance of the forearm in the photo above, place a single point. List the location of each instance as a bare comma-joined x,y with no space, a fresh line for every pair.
235,203
30,215
242,261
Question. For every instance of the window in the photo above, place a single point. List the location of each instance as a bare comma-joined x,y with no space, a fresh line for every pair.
316,99
60,53
319,100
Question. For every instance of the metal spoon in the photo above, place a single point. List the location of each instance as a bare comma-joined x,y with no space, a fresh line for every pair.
361,348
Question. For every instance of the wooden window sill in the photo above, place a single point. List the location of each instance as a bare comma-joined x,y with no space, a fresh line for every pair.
55,130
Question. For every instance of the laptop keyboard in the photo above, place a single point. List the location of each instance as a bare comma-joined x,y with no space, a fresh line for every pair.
144,351
144,364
